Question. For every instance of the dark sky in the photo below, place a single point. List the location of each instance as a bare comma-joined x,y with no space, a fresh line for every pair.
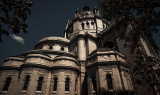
48,19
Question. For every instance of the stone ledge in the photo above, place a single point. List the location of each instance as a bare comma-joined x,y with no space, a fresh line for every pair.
107,63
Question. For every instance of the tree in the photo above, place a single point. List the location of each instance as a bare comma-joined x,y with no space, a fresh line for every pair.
144,18
13,15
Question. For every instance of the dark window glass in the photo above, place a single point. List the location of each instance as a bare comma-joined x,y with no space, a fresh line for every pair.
76,85
62,48
87,24
94,83
92,23
26,82
39,86
50,47
67,84
82,25
109,81
109,45
7,83
55,84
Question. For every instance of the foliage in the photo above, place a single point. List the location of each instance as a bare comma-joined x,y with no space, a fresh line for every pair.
143,16
13,15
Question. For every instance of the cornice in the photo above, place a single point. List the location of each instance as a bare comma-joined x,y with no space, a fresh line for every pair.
97,53
57,59
40,51
13,60
38,57
107,63
86,35
49,68
9,68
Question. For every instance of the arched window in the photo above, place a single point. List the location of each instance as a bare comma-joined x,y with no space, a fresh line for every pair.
7,83
82,25
76,85
92,23
87,24
103,26
62,48
26,82
55,84
109,45
109,81
50,47
67,84
94,83
40,81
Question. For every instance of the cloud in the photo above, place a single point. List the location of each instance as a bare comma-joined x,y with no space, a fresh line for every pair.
17,38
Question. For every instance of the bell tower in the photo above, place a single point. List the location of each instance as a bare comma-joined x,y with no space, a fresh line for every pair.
82,32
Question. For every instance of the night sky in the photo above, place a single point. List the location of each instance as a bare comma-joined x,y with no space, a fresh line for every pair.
48,19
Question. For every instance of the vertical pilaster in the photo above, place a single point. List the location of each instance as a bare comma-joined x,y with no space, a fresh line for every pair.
61,84
32,88
48,83
83,79
72,91
90,85
81,49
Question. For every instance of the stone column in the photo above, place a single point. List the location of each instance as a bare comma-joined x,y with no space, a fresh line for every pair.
78,86
90,85
81,49
72,84
83,79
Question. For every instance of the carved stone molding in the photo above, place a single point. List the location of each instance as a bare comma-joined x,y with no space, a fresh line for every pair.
107,63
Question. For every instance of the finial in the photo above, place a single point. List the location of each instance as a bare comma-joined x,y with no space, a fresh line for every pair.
68,21
77,9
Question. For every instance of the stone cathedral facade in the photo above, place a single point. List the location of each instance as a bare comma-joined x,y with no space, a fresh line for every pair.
75,64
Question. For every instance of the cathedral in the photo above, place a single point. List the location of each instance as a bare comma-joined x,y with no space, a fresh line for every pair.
90,59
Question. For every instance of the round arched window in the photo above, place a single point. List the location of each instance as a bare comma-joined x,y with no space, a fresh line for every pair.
50,47
109,45
62,48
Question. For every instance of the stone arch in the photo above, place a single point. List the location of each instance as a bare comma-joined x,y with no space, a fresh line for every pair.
7,84
109,81
26,83
40,81
55,84
67,84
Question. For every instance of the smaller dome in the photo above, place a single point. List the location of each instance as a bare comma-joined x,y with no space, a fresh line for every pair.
13,61
38,59
49,42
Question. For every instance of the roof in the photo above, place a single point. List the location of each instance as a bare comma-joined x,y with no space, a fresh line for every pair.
54,38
